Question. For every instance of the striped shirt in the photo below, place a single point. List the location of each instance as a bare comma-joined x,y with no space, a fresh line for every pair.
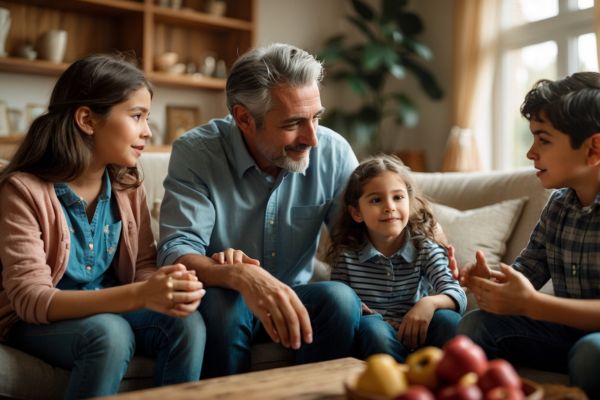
392,285
565,247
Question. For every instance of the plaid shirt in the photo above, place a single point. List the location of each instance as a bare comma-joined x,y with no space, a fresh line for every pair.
392,285
565,246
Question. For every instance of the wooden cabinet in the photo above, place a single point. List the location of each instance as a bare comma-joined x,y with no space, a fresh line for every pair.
144,26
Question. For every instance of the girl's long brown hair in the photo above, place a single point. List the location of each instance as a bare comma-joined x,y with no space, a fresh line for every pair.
54,148
349,235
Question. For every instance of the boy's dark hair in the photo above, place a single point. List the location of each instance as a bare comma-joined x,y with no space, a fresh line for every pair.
54,148
572,105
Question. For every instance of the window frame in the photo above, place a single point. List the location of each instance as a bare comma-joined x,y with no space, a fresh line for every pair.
563,29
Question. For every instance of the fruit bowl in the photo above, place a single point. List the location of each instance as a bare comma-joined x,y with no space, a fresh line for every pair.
532,390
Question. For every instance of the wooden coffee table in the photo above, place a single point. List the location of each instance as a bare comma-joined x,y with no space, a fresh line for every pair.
322,380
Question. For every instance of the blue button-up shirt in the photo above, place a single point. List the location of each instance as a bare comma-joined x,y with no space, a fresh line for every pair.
217,197
565,246
392,285
93,243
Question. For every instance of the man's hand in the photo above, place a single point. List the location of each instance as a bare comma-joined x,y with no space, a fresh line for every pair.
277,306
507,294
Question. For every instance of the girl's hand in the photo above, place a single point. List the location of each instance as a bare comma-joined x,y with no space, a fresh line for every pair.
366,310
233,256
413,328
172,290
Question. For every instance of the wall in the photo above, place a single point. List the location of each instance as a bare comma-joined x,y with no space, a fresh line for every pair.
305,23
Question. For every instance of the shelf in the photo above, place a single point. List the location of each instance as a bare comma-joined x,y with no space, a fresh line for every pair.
161,78
195,19
37,67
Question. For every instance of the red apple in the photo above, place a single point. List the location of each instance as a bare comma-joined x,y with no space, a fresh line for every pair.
499,373
416,392
460,392
505,393
461,356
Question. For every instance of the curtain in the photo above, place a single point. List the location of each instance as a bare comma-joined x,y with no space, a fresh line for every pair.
475,30
597,28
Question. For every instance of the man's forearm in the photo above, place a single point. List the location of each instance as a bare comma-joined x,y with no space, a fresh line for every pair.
210,273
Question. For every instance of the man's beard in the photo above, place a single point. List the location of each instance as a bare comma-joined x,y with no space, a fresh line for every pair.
281,158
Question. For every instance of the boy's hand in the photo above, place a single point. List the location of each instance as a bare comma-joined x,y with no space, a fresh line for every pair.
413,328
233,256
479,269
507,295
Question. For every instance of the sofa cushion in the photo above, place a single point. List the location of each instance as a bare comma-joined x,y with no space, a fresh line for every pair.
486,228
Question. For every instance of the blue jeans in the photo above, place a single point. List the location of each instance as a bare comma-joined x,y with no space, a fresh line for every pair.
97,349
538,344
334,311
377,336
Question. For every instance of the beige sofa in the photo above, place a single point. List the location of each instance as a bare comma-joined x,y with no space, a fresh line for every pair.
26,377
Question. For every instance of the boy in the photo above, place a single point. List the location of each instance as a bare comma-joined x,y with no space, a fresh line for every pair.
515,321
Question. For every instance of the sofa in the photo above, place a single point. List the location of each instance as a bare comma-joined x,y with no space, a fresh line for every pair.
475,209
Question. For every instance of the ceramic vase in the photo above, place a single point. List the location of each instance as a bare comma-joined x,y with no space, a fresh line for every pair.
53,45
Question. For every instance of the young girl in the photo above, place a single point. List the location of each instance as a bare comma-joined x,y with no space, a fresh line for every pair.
80,288
384,246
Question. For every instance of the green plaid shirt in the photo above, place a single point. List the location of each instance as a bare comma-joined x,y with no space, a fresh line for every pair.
565,247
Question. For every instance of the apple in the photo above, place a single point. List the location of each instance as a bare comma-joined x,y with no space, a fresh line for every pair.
505,393
499,373
461,356
383,376
422,366
460,392
416,392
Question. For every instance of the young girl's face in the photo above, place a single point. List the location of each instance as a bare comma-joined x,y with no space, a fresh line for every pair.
120,137
384,207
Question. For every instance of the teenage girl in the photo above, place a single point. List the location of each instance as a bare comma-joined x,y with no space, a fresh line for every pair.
384,246
80,287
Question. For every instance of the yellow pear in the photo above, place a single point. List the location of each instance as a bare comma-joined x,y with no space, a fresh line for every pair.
383,376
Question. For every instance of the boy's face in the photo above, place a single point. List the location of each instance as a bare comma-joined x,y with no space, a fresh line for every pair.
558,164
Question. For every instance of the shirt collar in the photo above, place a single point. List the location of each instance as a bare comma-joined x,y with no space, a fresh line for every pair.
572,201
407,252
69,197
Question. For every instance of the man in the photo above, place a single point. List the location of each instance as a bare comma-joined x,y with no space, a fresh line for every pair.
258,183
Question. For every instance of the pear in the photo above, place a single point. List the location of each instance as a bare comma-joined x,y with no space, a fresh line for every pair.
382,376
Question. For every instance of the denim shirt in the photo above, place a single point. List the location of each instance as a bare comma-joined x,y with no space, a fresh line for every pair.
93,244
217,197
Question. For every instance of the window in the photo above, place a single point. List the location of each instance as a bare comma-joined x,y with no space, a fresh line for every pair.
538,39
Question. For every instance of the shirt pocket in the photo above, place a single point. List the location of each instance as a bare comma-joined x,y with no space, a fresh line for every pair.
306,224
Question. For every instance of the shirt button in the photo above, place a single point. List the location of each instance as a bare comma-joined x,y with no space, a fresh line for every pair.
91,246
271,222
388,274
88,268
273,254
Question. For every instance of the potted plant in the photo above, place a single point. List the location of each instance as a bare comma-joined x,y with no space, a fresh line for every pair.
387,50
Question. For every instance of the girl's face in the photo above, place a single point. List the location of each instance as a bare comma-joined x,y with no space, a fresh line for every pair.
383,207
120,137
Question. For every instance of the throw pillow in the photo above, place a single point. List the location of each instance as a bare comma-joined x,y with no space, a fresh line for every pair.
487,228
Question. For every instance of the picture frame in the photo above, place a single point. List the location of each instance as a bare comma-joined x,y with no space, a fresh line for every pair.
32,111
180,119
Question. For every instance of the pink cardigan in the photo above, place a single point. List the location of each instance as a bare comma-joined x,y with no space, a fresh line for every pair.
35,240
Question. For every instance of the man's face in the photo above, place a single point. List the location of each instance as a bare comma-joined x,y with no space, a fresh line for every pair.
289,129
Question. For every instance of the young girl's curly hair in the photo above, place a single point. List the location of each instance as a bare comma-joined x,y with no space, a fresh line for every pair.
349,235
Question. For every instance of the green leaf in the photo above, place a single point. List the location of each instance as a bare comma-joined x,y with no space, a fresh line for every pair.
426,79
410,23
406,111
363,27
376,55
418,48
397,71
363,9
